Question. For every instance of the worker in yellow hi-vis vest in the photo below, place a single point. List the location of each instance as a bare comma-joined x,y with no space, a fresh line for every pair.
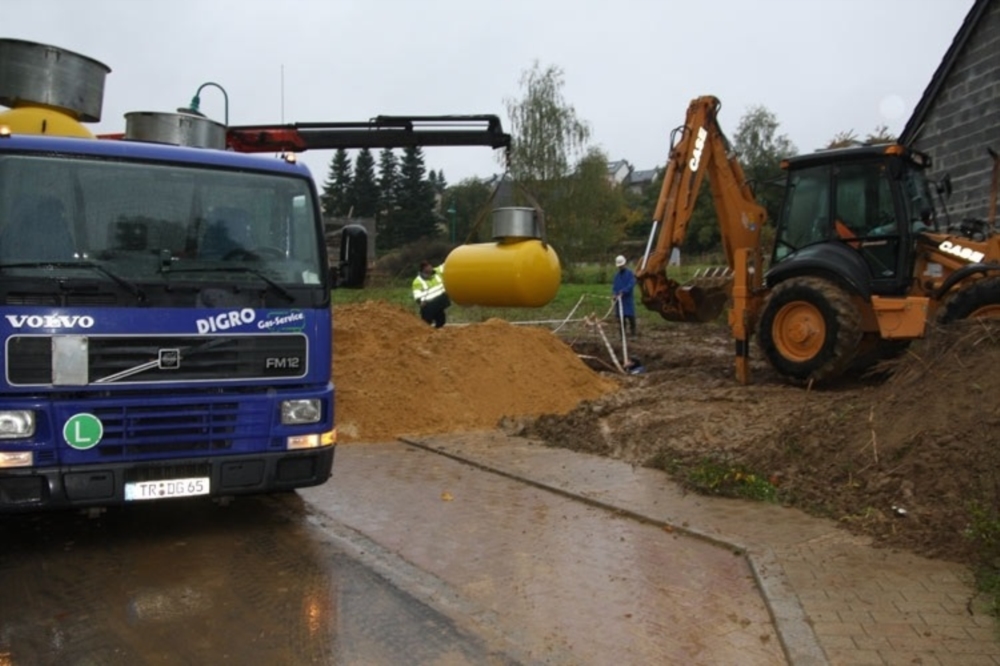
428,292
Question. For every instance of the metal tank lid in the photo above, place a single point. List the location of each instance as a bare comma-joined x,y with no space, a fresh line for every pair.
515,222
178,129
51,76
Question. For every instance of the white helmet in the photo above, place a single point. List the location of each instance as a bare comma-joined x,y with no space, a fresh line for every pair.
619,261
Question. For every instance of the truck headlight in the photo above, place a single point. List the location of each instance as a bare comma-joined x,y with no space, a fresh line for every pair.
298,412
17,423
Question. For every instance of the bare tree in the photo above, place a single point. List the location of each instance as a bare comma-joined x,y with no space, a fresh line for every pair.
547,135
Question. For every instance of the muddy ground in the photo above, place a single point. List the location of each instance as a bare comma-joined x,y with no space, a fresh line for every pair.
909,458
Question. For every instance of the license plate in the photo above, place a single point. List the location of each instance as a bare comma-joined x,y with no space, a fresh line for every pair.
154,490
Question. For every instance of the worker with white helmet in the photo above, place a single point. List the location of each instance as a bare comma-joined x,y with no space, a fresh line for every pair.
622,288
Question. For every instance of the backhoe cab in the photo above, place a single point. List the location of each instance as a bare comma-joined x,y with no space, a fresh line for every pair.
862,263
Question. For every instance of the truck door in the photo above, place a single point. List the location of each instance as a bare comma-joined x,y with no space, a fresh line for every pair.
865,219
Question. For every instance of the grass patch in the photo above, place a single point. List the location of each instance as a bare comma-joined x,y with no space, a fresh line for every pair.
984,533
712,477
589,293
571,300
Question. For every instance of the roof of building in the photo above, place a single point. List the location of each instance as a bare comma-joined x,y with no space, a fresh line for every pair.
643,176
920,112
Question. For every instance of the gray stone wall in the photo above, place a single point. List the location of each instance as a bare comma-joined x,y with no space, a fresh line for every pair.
964,119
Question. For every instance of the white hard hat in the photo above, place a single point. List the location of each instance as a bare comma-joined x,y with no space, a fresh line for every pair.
619,261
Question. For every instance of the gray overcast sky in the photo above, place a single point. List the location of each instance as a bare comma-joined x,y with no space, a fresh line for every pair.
630,66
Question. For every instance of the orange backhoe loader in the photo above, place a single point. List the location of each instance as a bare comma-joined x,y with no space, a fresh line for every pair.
862,262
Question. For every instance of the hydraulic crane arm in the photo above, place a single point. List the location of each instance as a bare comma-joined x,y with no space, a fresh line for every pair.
379,132
701,150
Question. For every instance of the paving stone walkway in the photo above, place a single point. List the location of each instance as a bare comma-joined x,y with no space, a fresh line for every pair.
827,596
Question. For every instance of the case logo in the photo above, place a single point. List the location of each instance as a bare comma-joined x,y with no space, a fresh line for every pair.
699,146
960,251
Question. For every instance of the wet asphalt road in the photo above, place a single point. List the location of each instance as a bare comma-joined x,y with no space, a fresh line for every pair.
406,556
191,582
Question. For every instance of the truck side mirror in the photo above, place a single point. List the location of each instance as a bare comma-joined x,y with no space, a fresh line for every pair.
352,268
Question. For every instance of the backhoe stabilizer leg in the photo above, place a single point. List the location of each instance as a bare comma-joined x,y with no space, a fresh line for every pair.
742,316
743,361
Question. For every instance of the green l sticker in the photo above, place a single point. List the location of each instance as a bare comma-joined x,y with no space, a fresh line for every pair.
83,431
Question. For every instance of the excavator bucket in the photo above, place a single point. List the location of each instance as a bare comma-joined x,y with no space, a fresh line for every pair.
700,299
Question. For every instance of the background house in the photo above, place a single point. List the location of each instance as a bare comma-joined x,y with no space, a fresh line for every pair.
958,116
618,171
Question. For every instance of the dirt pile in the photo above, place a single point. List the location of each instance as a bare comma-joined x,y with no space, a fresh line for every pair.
396,376
914,461
911,460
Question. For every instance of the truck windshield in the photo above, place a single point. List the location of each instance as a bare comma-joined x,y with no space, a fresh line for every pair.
147,223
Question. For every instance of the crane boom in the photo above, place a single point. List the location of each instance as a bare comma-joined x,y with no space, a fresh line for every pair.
379,132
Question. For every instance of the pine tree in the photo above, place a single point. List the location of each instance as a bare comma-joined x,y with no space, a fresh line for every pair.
336,191
415,198
364,191
388,184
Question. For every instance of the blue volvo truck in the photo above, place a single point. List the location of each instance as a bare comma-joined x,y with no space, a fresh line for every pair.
165,305
166,327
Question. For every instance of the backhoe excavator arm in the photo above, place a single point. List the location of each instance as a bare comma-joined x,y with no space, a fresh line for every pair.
701,150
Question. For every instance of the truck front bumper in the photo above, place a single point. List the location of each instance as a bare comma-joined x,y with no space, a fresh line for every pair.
105,485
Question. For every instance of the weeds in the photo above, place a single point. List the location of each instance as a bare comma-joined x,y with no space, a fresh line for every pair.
715,478
984,533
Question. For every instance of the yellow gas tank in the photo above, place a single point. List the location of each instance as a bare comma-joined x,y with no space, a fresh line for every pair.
40,120
517,270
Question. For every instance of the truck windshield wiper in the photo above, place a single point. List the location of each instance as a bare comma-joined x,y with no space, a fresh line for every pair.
130,287
287,295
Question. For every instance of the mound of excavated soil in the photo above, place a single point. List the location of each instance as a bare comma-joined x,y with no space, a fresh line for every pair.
910,460
397,376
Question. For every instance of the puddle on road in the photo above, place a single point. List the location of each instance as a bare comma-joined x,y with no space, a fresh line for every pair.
190,582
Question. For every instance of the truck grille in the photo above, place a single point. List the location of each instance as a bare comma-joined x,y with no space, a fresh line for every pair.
145,359
178,429
136,429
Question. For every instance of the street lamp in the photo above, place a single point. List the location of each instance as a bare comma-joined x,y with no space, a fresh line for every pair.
452,212
196,101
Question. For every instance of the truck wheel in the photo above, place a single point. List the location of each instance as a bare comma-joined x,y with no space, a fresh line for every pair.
809,329
981,299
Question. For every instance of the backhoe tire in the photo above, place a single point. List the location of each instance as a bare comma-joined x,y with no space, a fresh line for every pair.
980,299
873,350
809,329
